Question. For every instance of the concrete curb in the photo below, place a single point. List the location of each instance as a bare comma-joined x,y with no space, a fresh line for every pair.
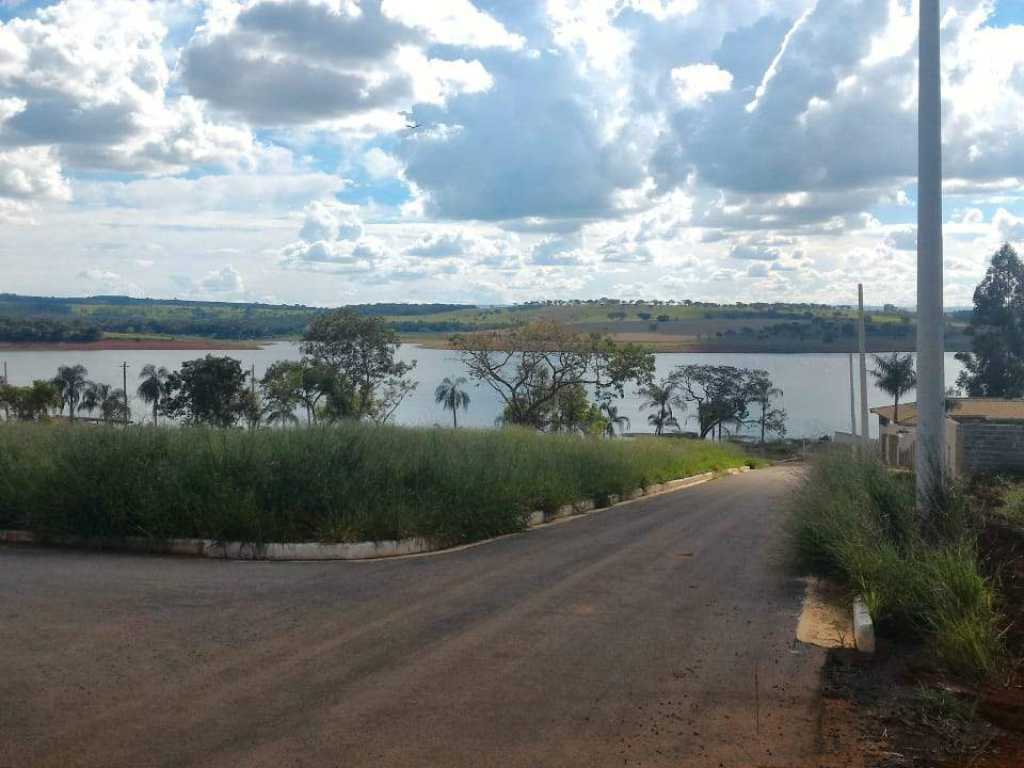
863,627
363,550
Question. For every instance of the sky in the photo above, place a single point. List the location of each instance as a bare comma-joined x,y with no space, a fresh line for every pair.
334,152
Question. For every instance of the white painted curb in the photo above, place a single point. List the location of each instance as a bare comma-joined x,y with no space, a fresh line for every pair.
363,550
863,627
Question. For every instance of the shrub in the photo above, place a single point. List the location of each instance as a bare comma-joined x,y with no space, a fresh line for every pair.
855,522
344,483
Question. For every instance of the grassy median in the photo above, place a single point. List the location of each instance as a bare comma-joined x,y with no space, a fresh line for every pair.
346,483
855,522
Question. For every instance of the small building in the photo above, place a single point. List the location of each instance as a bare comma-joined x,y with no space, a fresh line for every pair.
982,435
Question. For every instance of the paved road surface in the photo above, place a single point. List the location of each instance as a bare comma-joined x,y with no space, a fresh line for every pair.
632,637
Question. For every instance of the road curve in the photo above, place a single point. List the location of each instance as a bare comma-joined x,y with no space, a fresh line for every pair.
658,633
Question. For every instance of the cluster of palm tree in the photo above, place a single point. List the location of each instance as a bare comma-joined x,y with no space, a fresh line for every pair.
664,397
76,393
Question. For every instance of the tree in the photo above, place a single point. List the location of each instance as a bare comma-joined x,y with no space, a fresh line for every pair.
280,387
572,412
32,402
530,366
613,421
763,392
451,396
895,375
70,383
251,409
722,394
663,396
995,366
290,384
153,388
207,390
362,352
111,403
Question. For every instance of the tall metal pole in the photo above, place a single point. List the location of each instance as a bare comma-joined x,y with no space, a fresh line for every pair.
931,417
865,426
853,407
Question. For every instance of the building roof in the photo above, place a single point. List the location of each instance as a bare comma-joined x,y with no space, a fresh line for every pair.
969,408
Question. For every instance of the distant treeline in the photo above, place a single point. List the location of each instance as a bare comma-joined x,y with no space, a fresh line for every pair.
43,330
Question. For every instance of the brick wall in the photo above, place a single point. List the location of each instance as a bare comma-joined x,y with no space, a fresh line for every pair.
988,447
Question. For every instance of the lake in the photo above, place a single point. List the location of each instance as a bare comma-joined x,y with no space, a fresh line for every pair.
816,387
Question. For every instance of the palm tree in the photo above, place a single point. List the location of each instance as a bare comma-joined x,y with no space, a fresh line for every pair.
611,414
452,396
895,375
112,403
662,397
153,388
70,383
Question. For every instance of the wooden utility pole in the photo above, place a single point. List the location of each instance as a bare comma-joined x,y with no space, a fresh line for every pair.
931,416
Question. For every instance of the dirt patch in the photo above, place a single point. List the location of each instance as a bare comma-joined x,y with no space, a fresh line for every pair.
825,617
908,715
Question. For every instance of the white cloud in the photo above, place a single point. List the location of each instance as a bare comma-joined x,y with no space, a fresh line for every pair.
902,239
452,22
1008,226
559,252
441,246
493,252
695,83
312,62
29,173
753,252
226,280
380,165
230,192
105,281
328,220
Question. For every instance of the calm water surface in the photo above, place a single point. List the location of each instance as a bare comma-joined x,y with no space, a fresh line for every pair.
816,387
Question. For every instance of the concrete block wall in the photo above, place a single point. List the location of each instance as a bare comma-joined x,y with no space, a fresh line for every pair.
988,447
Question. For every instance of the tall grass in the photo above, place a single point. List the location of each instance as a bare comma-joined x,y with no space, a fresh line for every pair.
345,483
855,522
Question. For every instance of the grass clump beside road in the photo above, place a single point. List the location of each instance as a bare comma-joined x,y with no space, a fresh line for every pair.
346,483
855,522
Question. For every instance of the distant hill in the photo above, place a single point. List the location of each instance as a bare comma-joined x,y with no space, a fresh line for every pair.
664,325
39,318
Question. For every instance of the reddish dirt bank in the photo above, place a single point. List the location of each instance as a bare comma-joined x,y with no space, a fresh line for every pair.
140,344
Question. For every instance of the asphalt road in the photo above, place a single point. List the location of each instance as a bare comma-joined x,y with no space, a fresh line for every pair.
659,633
